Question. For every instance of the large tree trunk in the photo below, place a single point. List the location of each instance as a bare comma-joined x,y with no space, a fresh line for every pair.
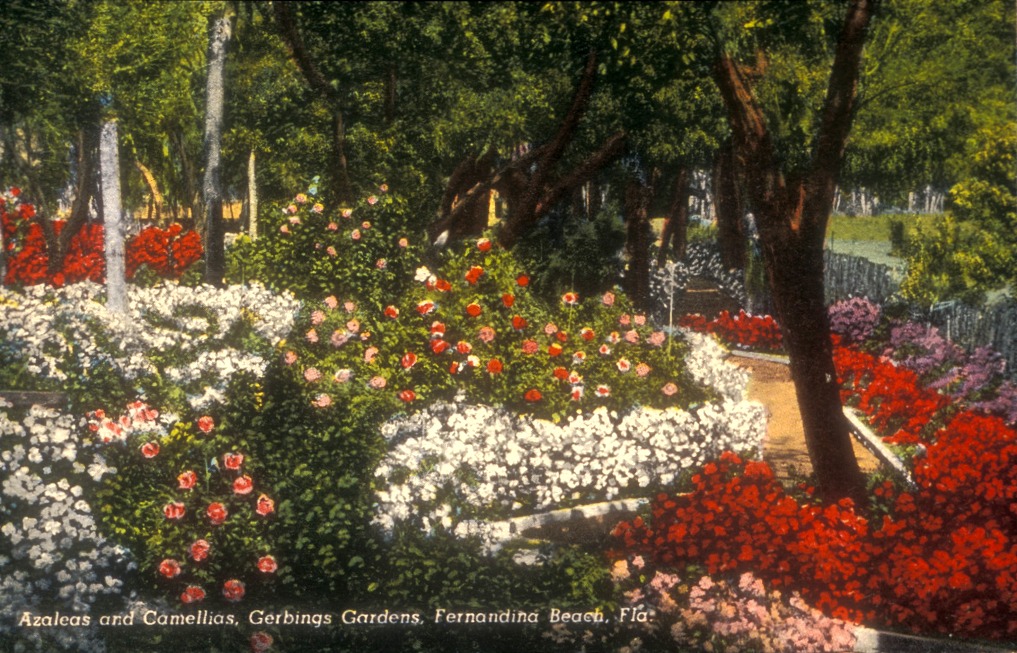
112,219
792,218
730,212
215,252
84,190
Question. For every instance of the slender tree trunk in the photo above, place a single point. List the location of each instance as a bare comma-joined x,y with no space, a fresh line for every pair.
215,252
792,218
112,219
252,197
153,189
674,235
728,203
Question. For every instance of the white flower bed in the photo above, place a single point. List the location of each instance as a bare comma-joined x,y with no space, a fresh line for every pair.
58,331
459,467
51,553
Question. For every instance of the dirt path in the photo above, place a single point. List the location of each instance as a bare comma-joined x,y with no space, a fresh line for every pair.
785,448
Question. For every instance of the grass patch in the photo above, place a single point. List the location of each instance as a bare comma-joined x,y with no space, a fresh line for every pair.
874,227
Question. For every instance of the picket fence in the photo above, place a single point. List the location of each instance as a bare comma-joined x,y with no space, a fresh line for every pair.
993,325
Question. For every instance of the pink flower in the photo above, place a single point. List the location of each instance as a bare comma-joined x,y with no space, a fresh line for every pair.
192,594
311,336
243,485
381,264
383,188
377,382
353,326
150,449
331,302
607,299
603,391
372,200
289,358
642,369
355,234
331,251
486,334
169,568
349,307
199,550
217,513
311,374
370,353
669,389
294,220
347,213
624,365
640,320
187,480
604,350
267,564
322,401
261,642
332,226
318,207
205,424
300,198
284,229
550,328
570,299
577,393
632,336
404,243
338,338
233,461
265,505
464,347
233,590
657,338
625,320
174,510
343,375
530,347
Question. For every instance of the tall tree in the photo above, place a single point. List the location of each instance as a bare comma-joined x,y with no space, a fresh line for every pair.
112,218
215,254
791,212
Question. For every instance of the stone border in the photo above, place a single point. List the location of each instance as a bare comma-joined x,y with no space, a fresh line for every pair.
868,640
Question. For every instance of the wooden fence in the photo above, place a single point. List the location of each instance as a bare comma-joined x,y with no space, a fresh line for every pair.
992,326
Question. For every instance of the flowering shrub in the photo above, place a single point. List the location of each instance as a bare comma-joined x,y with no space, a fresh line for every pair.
312,250
854,319
53,554
474,326
453,466
167,253
175,340
188,502
743,331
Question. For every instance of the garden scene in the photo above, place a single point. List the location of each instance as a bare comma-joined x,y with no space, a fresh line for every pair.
508,326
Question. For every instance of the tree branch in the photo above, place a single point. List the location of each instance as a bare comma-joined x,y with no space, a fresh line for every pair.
286,22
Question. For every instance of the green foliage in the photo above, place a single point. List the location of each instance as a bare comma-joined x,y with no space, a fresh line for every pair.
569,252
953,260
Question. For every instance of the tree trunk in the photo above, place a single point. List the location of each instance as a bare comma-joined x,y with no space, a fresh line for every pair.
84,191
153,189
112,219
215,251
792,219
638,237
675,233
730,212
252,197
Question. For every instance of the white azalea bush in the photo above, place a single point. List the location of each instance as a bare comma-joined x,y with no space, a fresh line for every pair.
52,555
457,467
189,340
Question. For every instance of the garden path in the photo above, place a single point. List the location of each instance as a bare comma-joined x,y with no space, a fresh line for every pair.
784,447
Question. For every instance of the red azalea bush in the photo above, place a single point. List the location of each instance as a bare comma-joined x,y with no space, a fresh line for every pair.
743,331
166,252
944,560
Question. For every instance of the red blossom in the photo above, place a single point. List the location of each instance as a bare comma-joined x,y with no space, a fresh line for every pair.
233,590
205,424
192,594
243,485
217,513
169,568
265,505
473,309
150,449
532,395
407,396
494,366
174,510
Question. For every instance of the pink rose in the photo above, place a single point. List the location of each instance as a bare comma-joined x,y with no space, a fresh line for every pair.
150,449
243,485
486,334
233,590
267,565
669,389
174,510
265,505
217,513
608,299
192,594
311,374
205,424
169,568
187,480
199,550
233,461
377,382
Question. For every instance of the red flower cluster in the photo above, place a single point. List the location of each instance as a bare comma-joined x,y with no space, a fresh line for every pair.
945,560
743,330
168,252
